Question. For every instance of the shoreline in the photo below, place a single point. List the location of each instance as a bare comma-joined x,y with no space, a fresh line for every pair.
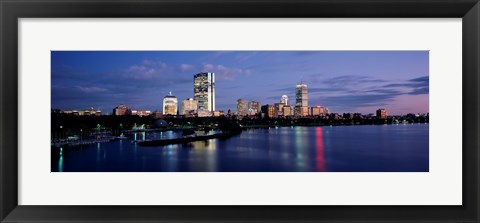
187,139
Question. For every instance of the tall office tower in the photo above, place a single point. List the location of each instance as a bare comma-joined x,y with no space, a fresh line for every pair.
204,90
301,100
242,109
284,100
170,104
189,105
382,113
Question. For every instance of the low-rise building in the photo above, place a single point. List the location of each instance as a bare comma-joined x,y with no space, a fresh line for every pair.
268,110
382,113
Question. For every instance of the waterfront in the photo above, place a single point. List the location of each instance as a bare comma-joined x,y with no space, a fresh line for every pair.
364,148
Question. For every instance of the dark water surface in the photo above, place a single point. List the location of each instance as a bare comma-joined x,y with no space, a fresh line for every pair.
368,148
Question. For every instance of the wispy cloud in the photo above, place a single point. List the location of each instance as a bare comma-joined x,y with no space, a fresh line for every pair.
147,70
421,90
213,56
186,67
245,56
415,86
356,101
89,90
225,73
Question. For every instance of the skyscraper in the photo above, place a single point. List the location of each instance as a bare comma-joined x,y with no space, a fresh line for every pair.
189,105
242,107
301,100
170,105
204,90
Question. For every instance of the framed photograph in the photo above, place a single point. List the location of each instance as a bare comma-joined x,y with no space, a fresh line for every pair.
229,111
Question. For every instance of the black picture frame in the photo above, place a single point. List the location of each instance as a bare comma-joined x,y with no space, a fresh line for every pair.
11,11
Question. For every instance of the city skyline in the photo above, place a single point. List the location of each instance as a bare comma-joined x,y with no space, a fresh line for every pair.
343,81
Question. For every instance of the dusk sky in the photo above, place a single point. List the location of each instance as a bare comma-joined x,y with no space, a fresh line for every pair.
342,81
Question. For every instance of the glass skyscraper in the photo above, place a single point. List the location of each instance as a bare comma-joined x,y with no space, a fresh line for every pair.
204,90
301,100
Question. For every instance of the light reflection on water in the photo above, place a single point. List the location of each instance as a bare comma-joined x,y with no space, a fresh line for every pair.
336,149
319,150
60,161
98,155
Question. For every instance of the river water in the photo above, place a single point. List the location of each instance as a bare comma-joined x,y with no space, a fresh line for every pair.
364,148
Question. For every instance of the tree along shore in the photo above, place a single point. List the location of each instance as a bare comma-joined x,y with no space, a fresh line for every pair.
64,122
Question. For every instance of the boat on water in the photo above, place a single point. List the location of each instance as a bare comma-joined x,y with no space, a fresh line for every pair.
121,136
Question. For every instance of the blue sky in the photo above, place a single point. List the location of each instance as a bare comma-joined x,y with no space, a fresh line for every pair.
343,81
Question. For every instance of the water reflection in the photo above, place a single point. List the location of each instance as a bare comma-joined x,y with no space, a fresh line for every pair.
98,152
207,150
340,149
135,149
319,149
60,161
170,157
301,144
98,156
142,136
